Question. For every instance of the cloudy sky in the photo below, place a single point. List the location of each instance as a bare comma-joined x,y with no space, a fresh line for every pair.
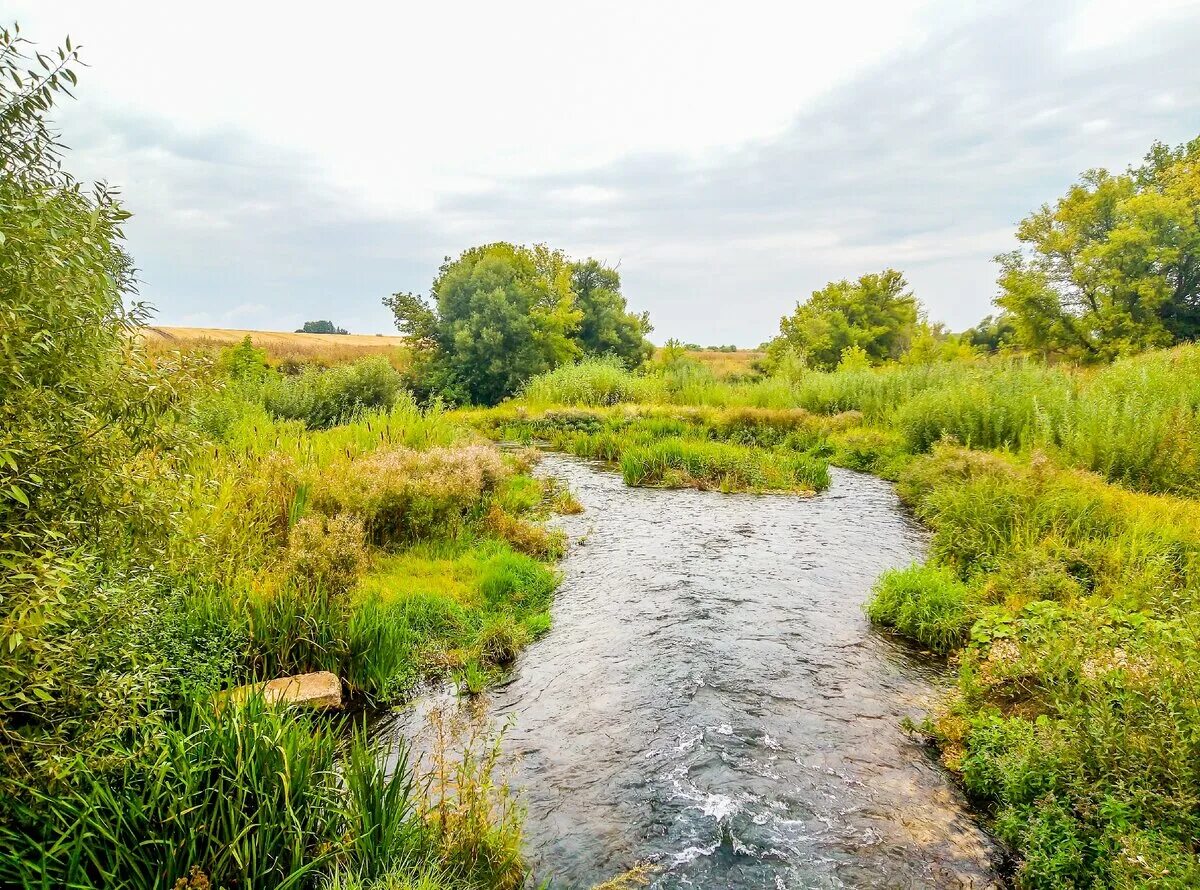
288,161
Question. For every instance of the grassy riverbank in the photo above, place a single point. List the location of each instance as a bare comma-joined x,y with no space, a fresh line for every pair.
1063,579
285,525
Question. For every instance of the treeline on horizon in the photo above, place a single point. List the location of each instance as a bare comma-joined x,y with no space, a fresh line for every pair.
1110,269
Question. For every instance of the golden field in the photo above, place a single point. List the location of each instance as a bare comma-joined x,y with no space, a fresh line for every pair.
284,347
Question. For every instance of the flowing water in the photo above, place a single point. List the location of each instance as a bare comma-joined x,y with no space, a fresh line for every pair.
712,699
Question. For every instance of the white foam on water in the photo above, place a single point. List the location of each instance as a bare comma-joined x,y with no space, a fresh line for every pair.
719,806
690,854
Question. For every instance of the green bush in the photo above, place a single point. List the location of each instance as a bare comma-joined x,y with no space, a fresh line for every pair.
926,603
677,462
326,398
327,552
403,495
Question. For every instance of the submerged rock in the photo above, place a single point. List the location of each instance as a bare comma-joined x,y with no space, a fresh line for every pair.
320,689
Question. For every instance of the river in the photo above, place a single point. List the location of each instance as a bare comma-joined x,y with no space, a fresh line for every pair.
712,699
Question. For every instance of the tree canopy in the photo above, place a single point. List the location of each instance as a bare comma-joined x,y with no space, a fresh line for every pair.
501,313
876,314
1113,267
607,327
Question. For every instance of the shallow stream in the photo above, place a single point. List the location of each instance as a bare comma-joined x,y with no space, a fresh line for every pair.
712,698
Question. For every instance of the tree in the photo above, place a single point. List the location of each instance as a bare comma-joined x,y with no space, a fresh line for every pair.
992,334
876,314
81,406
321,327
932,342
1114,266
501,313
607,327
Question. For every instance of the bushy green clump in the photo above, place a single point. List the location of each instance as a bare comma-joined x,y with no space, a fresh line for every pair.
1009,410
676,462
325,398
403,495
1076,711
926,603
591,382
244,795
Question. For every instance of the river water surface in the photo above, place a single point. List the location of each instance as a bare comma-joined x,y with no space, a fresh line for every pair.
712,699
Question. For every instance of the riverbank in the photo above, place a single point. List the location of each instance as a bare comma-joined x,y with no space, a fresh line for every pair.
713,703
1062,580
280,532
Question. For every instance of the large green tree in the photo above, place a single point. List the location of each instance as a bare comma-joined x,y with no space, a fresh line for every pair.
501,313
877,314
1114,265
607,327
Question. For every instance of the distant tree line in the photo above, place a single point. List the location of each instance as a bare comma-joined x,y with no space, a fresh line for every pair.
1111,268
321,327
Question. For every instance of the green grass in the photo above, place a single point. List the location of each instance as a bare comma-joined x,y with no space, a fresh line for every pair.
250,794
928,604
690,463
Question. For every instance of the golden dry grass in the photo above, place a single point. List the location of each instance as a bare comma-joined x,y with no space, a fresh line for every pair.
283,347
727,364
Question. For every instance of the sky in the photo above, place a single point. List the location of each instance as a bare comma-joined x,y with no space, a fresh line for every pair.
288,161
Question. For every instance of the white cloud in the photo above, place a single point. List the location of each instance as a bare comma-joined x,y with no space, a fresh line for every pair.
290,162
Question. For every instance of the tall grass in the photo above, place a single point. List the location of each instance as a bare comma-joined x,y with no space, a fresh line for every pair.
1076,713
928,604
1137,422
249,795
676,462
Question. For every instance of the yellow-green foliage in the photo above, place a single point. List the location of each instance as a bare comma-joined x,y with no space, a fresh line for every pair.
403,495
693,463
478,604
526,537
327,552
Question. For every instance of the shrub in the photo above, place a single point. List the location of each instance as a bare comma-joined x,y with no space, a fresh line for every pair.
328,552
404,495
325,398
926,603
525,537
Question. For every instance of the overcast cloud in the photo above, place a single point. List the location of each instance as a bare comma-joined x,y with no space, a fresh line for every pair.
730,161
